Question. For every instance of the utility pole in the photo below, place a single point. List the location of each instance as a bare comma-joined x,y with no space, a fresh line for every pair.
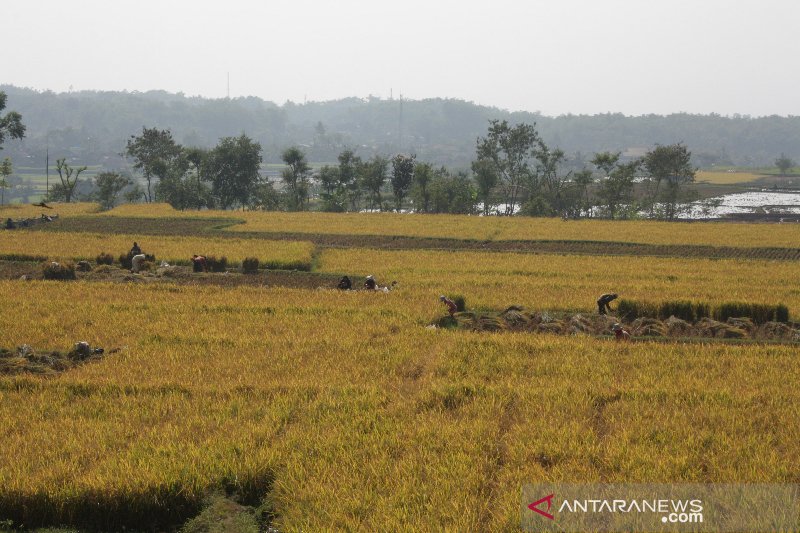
47,170
229,85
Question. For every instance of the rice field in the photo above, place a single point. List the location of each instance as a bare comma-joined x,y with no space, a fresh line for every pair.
329,410
87,246
488,228
727,178
19,211
497,280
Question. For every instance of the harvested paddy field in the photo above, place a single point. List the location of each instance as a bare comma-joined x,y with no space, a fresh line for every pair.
276,399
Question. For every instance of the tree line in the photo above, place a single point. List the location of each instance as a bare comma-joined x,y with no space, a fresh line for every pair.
513,172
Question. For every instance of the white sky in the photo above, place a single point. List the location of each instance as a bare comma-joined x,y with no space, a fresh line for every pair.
556,56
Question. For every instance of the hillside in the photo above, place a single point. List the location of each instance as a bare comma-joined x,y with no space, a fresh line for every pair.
93,127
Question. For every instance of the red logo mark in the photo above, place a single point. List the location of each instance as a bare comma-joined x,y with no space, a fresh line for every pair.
535,506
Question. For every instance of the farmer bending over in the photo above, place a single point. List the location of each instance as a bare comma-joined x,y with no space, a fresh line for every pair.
136,262
603,301
452,308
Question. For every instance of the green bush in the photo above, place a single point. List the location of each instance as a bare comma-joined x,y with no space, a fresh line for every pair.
250,265
61,271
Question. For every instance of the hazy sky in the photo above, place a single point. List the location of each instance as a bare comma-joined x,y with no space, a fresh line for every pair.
555,56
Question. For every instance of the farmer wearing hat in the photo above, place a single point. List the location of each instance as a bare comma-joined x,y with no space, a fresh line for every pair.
451,305
619,333
370,284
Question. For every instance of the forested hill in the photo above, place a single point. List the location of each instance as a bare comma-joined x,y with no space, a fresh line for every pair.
94,126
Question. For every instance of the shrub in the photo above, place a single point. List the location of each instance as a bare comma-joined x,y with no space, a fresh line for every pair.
216,265
104,259
60,271
250,265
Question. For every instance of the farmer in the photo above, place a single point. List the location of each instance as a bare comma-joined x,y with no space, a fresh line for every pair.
370,284
10,224
603,301
452,308
345,284
136,262
135,250
619,333
198,263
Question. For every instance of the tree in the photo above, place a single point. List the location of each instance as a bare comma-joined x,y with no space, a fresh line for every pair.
555,183
233,167
5,171
583,179
109,185
616,190
349,163
452,194
10,124
670,165
134,194
333,199
182,186
373,176
197,158
606,161
295,176
486,180
784,163
510,151
68,182
421,194
153,152
266,197
402,177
